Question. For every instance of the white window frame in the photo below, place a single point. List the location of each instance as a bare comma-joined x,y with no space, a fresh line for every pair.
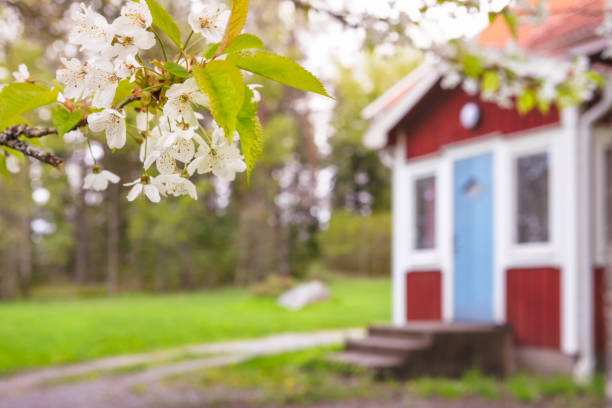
532,252
603,142
419,259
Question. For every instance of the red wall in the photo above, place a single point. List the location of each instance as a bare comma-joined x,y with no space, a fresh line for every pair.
424,295
434,122
533,306
599,303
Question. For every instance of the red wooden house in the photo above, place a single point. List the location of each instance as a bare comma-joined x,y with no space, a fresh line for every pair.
499,217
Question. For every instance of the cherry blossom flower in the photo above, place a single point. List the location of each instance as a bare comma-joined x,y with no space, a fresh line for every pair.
180,97
74,136
146,185
102,82
165,164
209,20
127,67
183,150
176,185
134,18
98,179
113,123
91,30
23,74
73,75
222,159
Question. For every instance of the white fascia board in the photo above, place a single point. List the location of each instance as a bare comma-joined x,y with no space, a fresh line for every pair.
376,136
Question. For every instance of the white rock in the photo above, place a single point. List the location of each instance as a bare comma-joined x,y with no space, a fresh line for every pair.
303,295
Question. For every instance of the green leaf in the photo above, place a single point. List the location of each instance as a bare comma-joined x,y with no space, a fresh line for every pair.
124,89
163,20
492,17
64,120
240,9
472,65
250,131
543,106
20,156
278,69
511,21
490,81
3,169
177,70
223,84
19,98
242,42
526,101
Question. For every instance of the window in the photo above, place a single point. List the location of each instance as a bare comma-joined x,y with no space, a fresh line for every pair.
425,212
532,192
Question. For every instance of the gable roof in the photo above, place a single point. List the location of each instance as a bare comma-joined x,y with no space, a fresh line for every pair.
570,30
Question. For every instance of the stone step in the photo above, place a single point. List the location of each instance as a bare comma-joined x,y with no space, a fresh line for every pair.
368,360
388,345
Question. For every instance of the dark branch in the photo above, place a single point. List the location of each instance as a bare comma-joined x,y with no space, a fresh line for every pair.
10,137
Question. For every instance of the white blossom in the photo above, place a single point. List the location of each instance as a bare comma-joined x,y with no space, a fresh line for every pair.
91,30
180,97
134,18
113,123
183,150
98,180
165,163
209,20
222,159
144,185
127,67
102,82
22,75
176,185
73,75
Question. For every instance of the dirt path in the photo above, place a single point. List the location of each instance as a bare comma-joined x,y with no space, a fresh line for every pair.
61,387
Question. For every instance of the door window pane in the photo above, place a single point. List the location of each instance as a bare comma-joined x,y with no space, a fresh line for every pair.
425,213
532,198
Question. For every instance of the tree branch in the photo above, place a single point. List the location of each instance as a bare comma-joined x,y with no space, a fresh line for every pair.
10,137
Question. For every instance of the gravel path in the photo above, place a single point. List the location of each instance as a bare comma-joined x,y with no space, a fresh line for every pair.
45,389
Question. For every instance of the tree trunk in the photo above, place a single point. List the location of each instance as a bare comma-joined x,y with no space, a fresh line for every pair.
112,266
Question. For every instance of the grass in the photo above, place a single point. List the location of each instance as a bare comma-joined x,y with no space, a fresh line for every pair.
40,333
290,378
307,377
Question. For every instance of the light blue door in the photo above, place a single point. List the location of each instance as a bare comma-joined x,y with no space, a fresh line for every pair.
473,240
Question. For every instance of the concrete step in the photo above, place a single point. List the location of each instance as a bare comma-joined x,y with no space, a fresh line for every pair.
398,333
362,359
388,345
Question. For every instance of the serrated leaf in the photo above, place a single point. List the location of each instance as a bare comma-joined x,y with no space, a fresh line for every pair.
163,20
177,70
223,84
250,131
242,42
240,9
21,97
277,68
526,101
64,120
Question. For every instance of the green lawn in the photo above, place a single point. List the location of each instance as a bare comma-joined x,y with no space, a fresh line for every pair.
39,333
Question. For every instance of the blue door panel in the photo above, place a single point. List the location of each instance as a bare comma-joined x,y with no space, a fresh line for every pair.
473,240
